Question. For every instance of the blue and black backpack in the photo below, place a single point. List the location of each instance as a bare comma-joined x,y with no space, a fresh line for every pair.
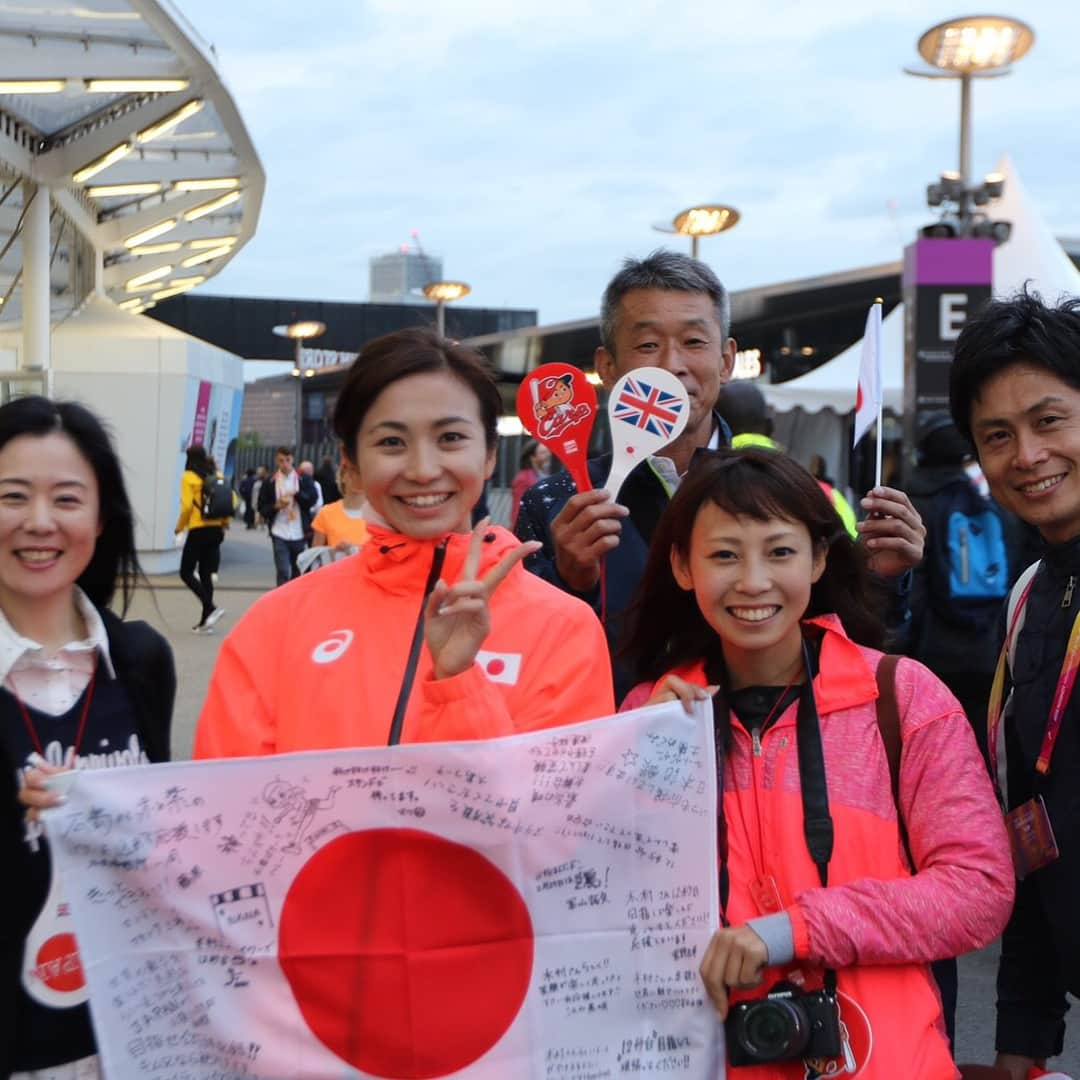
968,560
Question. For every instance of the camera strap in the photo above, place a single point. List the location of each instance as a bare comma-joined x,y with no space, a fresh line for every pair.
720,727
817,821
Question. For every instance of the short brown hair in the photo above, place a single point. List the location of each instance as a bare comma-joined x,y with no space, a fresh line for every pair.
399,355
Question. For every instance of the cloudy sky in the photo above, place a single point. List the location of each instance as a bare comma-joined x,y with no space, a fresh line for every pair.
534,145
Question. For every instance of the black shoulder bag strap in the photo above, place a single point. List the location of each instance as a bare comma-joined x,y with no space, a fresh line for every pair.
817,821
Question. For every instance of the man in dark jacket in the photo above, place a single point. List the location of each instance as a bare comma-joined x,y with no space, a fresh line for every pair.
669,311
666,311
1015,391
974,552
247,486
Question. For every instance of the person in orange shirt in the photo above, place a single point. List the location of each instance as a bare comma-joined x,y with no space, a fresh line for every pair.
340,524
434,631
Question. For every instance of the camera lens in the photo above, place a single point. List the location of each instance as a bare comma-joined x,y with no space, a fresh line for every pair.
773,1030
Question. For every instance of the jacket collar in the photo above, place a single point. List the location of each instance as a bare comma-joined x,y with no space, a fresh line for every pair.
1063,559
399,563
845,679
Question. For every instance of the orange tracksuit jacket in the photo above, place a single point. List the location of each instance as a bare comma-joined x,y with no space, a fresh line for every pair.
877,923
318,663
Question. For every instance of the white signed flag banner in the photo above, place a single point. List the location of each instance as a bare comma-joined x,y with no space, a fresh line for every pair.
530,907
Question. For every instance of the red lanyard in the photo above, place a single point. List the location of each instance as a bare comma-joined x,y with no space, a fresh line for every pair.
82,717
1066,679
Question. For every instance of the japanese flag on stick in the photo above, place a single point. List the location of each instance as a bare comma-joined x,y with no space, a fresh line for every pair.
868,398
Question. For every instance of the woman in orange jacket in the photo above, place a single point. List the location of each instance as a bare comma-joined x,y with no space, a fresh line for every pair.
750,593
433,631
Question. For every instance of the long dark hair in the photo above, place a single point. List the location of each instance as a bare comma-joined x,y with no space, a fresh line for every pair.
114,560
667,628
198,461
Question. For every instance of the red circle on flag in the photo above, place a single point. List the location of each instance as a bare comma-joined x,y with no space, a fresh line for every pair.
496,666
409,956
58,964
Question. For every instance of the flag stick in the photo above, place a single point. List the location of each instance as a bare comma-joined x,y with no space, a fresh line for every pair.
880,427
880,412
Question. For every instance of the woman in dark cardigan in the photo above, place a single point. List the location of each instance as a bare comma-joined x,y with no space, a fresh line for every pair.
79,688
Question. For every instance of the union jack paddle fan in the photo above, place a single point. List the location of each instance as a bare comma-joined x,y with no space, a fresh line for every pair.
648,409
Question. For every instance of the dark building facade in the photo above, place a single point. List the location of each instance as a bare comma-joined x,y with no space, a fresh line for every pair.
268,417
245,325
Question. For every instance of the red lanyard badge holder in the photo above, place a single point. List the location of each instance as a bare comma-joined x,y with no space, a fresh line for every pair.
1031,834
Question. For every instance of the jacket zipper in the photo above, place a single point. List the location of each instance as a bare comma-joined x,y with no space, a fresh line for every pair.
1066,600
964,563
755,741
400,708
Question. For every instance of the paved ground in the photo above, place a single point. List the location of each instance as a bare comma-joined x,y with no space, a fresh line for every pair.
247,571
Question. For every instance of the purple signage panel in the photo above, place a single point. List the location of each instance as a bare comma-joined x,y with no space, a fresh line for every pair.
949,261
946,281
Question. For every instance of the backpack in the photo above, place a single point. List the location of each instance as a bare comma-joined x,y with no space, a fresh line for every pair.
967,560
217,499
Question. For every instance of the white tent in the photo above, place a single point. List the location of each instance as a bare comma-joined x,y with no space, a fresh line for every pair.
832,385
811,410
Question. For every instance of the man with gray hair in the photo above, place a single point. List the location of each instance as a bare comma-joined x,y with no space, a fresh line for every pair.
669,311
666,310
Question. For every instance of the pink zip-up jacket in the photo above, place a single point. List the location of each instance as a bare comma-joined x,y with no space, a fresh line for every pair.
877,924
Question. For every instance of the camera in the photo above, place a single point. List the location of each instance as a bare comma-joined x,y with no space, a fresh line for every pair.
786,1025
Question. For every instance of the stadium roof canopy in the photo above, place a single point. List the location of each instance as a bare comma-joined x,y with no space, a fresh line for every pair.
115,110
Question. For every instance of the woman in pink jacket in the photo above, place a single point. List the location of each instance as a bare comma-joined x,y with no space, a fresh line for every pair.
821,965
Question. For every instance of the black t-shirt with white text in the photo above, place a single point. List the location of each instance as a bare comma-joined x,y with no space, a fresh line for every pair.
52,1020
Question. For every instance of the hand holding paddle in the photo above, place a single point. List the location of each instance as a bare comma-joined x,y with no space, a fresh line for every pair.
583,532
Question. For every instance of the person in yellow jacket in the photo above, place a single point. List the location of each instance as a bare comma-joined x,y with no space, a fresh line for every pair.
200,556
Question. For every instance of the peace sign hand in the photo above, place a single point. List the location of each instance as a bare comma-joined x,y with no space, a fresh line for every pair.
457,618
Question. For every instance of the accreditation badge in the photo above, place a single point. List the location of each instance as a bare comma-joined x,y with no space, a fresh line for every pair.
1031,837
